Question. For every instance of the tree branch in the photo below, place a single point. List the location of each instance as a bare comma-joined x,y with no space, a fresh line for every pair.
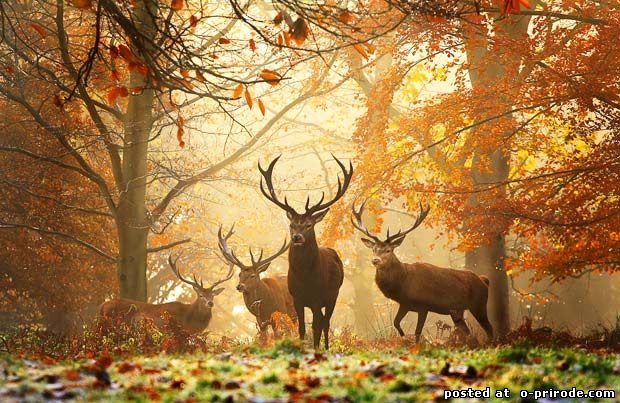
4,225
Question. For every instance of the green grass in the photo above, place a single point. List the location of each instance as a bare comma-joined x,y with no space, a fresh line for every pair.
287,371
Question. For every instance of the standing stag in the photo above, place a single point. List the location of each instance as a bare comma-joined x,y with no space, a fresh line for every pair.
192,318
423,287
315,274
263,297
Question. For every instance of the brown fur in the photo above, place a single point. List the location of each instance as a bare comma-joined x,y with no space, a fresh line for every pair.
315,276
423,288
193,318
274,297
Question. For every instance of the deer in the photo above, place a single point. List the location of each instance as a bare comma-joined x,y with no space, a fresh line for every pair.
423,287
192,318
315,274
262,296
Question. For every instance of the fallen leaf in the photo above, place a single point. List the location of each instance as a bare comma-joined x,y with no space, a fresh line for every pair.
300,31
125,53
252,45
223,41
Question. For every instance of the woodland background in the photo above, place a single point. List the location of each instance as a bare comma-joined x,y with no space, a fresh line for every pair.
131,129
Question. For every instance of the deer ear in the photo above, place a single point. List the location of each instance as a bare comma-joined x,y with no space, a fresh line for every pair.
218,291
369,244
263,268
319,216
396,243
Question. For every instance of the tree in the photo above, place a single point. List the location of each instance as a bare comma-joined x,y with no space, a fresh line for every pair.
464,147
128,75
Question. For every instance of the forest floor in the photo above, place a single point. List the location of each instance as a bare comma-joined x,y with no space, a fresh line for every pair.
286,371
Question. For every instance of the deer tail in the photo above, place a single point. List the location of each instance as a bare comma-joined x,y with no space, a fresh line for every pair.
485,279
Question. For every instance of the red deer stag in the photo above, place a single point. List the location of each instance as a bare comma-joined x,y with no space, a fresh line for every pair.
315,274
192,318
423,287
263,297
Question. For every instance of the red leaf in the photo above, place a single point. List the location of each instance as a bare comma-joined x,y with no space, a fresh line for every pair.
361,50
346,17
176,5
238,91
278,18
180,122
270,76
116,92
248,98
200,77
193,21
115,75
184,73
39,29
137,90
113,52
252,45
224,41
300,31
261,106
82,3
125,53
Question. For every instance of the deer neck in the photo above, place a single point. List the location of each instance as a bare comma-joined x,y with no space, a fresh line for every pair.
199,315
304,257
391,271
257,293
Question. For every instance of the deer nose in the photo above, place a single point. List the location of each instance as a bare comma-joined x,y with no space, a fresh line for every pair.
298,238
210,304
376,261
240,287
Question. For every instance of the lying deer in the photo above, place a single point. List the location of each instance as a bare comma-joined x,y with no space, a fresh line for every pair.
422,287
192,318
315,274
263,297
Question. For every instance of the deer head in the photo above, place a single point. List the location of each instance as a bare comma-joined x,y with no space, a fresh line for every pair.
204,294
383,251
302,224
249,276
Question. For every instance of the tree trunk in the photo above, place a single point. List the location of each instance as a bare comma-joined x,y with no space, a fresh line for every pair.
132,220
485,70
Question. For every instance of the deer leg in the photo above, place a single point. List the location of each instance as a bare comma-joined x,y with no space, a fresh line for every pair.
420,325
402,312
317,326
301,322
459,321
329,310
480,313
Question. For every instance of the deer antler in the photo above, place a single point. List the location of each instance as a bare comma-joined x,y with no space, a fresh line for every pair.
356,220
342,188
401,234
175,270
267,175
230,256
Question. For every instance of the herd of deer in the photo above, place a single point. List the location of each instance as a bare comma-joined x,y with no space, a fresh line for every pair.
315,275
